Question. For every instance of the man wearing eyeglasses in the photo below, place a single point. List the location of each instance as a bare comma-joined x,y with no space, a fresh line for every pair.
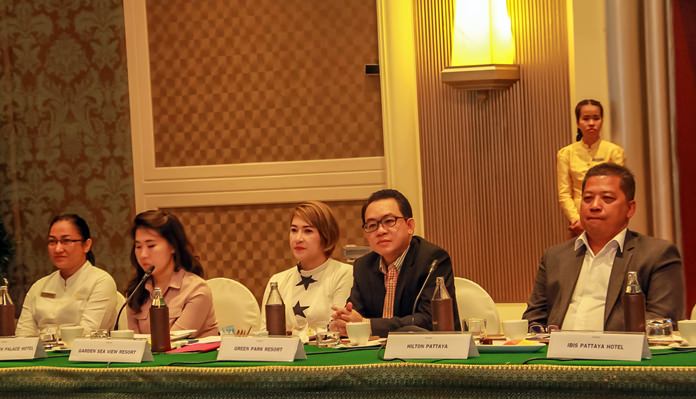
387,281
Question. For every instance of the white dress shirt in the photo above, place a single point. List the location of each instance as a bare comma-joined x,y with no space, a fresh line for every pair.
586,309
87,298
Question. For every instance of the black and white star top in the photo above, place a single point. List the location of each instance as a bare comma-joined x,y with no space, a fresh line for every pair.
308,295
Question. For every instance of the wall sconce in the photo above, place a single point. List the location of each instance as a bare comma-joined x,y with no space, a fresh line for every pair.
483,49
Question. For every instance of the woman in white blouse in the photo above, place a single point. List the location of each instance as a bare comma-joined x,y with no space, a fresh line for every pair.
77,293
317,282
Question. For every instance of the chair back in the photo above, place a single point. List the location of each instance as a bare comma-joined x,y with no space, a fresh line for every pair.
352,252
234,304
474,301
510,310
123,319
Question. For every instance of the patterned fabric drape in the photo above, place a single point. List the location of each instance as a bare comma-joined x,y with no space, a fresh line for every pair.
64,130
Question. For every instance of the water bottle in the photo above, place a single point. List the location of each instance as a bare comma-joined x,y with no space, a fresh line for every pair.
7,312
275,312
159,323
633,305
441,307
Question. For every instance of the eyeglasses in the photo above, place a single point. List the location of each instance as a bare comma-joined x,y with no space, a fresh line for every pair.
536,328
52,242
387,221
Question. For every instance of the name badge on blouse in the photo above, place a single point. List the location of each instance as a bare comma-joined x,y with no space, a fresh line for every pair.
598,160
48,294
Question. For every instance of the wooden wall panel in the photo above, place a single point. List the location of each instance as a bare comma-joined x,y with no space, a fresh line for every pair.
488,158
263,81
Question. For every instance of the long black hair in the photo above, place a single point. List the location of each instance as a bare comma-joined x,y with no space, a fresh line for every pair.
170,228
578,108
82,227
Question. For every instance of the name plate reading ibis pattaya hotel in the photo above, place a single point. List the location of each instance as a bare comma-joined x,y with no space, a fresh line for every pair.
110,350
21,348
262,349
598,346
450,345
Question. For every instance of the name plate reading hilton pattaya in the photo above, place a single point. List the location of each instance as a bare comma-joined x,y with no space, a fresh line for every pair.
21,348
598,346
409,345
261,349
110,350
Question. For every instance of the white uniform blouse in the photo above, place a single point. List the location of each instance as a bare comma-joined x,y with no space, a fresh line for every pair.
87,298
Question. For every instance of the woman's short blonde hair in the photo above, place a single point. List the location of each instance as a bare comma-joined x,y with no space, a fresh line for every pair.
320,216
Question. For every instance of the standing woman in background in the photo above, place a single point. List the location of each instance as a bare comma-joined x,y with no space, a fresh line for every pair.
159,240
77,293
317,281
574,160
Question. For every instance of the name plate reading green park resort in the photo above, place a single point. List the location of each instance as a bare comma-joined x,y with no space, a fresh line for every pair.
110,350
409,345
21,348
261,349
598,346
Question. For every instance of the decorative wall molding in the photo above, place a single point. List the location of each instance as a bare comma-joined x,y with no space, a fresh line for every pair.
226,184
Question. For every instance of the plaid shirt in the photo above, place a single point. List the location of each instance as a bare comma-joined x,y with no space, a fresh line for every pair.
391,275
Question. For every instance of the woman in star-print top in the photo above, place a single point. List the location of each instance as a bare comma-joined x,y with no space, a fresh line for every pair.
317,282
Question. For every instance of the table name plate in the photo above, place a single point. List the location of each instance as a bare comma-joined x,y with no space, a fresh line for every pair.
21,348
264,349
110,350
598,346
409,345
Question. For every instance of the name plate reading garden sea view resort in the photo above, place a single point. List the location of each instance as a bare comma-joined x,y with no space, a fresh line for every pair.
110,350
408,345
21,348
262,349
598,346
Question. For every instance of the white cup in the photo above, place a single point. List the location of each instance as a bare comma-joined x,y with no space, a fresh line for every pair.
122,334
359,332
69,333
687,330
515,329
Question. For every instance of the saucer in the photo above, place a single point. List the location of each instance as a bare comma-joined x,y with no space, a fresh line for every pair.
375,342
681,347
498,347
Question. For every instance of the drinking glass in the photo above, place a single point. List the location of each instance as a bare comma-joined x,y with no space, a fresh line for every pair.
49,333
327,338
477,327
99,333
659,328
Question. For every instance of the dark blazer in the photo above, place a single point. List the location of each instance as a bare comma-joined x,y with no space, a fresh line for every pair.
368,290
660,276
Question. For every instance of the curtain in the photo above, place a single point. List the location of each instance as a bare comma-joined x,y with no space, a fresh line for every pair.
64,130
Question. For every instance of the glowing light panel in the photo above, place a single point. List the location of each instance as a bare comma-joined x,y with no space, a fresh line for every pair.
482,33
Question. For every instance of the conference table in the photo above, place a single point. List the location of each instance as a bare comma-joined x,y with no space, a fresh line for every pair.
354,373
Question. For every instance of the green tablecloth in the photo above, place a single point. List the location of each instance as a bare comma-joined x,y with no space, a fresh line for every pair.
353,374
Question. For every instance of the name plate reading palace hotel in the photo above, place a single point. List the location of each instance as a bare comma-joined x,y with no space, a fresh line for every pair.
21,348
598,346
408,345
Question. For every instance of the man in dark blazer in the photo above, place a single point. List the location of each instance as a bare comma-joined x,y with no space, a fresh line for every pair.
565,291
398,254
